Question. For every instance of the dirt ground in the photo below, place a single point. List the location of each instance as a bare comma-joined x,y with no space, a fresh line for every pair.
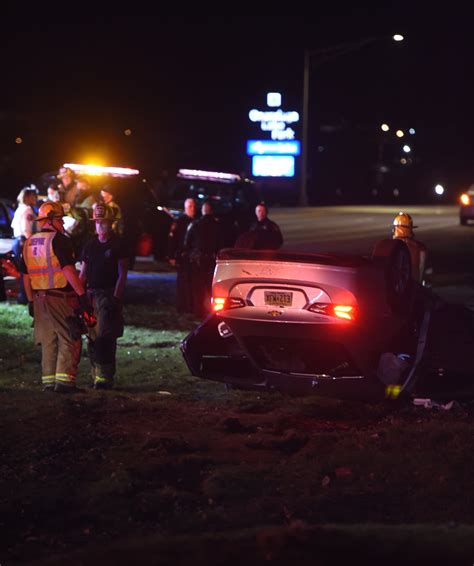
209,476
111,477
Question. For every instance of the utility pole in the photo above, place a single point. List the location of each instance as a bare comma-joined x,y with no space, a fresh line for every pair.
303,196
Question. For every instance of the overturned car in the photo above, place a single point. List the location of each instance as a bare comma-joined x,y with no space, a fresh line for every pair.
325,324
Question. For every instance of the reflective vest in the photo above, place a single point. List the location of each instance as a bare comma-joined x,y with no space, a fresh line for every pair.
43,266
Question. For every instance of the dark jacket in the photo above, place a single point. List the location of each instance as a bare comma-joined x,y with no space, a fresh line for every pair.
203,238
269,236
176,237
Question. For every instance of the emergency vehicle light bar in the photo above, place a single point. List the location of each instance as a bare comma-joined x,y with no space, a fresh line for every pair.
100,170
209,175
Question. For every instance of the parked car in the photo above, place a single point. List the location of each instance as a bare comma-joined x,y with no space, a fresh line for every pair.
130,190
326,324
466,210
148,212
6,231
7,265
234,199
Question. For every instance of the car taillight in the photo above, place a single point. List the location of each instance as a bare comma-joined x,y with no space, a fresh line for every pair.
465,200
347,312
225,303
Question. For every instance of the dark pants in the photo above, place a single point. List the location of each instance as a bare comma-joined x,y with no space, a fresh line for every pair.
3,294
18,252
202,272
102,339
184,299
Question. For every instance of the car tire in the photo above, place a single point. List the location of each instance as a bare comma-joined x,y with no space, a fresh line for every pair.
397,266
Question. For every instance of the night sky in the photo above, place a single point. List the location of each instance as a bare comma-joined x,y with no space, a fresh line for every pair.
184,86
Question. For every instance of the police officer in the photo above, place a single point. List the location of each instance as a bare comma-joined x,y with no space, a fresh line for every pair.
268,235
56,295
202,242
421,268
104,268
179,258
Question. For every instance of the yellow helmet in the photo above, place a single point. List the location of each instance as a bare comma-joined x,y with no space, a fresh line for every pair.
403,226
50,210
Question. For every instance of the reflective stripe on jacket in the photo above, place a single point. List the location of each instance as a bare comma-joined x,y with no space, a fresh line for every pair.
43,266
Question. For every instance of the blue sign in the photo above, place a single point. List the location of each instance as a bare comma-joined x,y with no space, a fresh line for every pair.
273,166
273,147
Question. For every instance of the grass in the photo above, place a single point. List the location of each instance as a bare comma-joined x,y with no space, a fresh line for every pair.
148,354
147,472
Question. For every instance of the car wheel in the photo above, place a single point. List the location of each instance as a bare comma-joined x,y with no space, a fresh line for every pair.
397,267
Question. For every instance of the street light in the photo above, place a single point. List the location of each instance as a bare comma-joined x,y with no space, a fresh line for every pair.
314,58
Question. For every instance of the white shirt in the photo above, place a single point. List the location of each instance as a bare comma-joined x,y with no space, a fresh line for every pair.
23,221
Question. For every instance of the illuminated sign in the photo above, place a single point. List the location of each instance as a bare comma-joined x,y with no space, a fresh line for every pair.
275,121
273,99
273,166
274,156
272,147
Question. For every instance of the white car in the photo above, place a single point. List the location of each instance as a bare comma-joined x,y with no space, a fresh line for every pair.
6,231
329,324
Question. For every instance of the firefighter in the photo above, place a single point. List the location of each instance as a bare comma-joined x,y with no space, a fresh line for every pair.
104,268
107,197
178,257
56,297
202,241
402,229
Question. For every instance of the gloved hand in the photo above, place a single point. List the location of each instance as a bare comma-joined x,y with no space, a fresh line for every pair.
87,312
31,310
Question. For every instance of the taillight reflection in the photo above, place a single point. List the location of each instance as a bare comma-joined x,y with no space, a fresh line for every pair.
346,312
225,303
465,200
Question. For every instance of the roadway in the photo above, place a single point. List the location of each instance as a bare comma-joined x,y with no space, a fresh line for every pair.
355,230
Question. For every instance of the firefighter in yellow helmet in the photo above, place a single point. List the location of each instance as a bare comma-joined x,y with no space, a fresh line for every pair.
402,229
55,297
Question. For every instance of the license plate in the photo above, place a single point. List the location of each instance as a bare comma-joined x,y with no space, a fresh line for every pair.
278,298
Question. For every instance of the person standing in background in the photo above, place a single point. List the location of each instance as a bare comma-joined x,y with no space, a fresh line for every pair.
68,185
202,241
107,198
178,257
421,267
268,234
104,269
24,225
